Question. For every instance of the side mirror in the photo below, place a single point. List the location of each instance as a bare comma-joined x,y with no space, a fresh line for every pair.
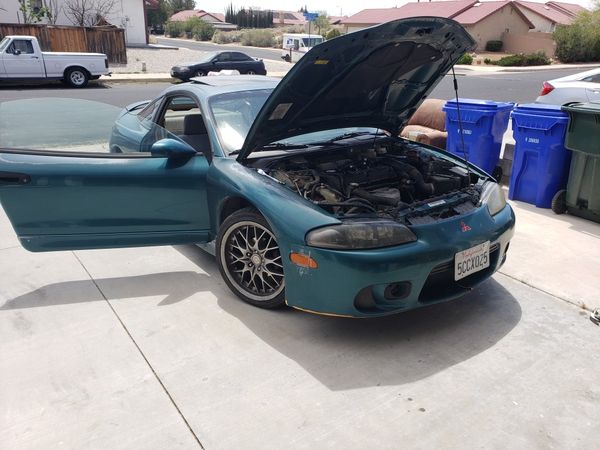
16,52
172,148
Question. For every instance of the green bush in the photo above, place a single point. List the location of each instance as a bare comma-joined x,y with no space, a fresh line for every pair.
465,59
493,46
532,59
226,37
258,38
580,41
174,29
333,33
203,31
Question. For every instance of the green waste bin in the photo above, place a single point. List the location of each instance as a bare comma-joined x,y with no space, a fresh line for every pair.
582,196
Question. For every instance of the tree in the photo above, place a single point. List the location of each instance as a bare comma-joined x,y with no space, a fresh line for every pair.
174,6
322,24
159,16
579,41
31,11
87,13
54,7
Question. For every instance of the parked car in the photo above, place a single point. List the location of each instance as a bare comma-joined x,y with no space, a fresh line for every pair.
217,61
311,197
21,59
580,87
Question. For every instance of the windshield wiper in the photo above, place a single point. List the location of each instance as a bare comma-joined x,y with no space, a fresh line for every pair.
273,146
341,137
282,145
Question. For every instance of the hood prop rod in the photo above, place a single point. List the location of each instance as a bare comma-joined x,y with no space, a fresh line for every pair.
460,125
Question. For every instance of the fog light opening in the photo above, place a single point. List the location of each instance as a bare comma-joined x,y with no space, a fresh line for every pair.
397,291
303,260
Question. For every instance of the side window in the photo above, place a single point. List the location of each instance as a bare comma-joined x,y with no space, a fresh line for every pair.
593,78
182,117
24,46
224,57
237,56
148,113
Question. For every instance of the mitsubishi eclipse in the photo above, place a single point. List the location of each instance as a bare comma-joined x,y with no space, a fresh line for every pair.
311,198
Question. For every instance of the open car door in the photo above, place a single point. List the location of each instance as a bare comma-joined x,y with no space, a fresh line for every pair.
63,190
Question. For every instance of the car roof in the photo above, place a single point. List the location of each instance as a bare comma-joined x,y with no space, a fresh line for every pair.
219,84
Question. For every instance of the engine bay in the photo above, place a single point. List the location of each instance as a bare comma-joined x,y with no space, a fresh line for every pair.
393,179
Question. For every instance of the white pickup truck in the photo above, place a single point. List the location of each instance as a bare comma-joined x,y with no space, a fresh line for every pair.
21,59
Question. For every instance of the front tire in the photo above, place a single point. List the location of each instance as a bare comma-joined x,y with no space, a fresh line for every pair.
249,259
200,73
77,77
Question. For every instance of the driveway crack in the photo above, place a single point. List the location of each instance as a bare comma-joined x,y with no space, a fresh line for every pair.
141,352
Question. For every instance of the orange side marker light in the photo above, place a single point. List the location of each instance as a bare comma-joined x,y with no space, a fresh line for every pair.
303,260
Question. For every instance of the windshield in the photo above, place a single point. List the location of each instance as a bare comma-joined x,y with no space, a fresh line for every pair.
3,44
311,42
233,114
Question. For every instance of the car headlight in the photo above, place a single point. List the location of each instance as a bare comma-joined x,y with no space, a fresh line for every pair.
493,197
181,69
351,235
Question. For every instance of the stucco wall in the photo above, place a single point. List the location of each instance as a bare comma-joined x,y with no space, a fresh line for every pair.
541,23
127,14
530,43
504,21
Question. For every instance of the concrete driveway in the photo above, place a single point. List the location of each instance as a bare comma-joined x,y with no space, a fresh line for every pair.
148,349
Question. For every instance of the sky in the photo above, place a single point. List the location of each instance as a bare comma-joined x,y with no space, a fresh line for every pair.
333,7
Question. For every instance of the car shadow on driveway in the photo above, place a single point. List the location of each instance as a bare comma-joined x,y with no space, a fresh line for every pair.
349,354
177,286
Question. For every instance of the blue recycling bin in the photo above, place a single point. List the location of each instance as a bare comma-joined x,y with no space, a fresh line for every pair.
540,162
484,123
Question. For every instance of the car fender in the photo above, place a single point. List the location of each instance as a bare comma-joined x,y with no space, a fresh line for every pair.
289,215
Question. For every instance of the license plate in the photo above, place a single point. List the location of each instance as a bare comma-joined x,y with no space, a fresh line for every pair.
471,260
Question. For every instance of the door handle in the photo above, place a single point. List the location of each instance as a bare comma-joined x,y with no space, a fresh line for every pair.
8,178
35,57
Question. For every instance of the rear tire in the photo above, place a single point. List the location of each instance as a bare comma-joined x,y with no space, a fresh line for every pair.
250,72
77,77
249,259
559,202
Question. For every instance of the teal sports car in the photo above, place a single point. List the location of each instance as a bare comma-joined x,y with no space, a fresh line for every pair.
309,195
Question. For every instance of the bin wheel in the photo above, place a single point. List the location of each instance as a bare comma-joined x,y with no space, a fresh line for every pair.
559,202
497,173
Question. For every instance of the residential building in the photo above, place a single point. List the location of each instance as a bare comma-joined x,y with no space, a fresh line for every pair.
508,21
217,20
285,18
126,14
546,16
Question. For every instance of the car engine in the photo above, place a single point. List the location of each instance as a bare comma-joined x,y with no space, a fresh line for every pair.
401,181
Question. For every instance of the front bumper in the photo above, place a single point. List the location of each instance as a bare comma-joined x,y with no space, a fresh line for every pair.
385,281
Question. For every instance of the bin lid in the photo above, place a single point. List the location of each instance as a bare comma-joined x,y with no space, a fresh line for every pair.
474,103
539,109
589,108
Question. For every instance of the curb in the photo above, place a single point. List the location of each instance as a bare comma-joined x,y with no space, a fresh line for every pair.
165,79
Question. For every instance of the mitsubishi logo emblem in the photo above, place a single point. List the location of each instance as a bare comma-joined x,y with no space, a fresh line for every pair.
464,227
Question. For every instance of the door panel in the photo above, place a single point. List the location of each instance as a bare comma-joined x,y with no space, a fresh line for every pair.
75,201
25,65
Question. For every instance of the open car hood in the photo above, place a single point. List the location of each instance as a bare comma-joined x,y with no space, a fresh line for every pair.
375,77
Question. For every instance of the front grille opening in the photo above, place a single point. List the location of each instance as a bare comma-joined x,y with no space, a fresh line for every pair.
440,283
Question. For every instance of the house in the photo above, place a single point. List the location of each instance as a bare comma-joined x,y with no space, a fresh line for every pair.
369,17
546,16
127,14
284,18
485,21
217,20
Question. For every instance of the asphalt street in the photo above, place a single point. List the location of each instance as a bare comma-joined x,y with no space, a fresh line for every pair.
519,87
255,52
